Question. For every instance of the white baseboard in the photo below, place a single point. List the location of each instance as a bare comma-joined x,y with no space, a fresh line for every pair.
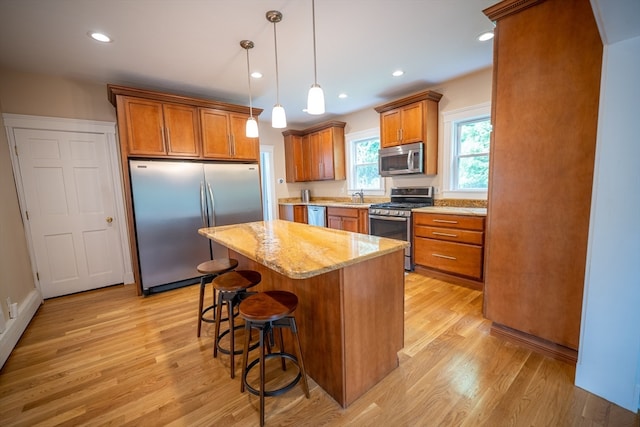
15,327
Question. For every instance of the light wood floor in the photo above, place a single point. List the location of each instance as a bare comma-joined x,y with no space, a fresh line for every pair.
108,357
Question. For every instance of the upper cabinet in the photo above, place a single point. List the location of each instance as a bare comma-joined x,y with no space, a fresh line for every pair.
156,124
160,129
223,136
316,153
412,119
297,156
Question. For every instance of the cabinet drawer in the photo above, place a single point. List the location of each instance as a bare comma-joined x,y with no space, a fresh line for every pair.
450,221
351,212
450,234
451,257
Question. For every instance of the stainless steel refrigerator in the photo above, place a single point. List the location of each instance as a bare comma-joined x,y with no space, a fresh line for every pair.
172,200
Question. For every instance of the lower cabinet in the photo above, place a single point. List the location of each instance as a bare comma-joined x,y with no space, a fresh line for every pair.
295,213
453,244
348,219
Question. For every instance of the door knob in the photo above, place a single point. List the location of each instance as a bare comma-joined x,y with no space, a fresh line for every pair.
109,220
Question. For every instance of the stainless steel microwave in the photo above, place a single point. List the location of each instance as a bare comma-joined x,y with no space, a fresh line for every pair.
401,160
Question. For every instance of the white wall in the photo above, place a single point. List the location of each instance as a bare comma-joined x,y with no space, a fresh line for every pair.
609,353
464,91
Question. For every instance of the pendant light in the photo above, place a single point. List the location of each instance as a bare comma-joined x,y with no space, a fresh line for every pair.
315,99
278,116
251,129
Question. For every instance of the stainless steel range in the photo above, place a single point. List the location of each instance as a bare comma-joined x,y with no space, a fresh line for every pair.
393,219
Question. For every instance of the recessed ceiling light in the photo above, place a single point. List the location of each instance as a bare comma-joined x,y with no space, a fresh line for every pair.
256,75
342,96
101,37
487,35
397,73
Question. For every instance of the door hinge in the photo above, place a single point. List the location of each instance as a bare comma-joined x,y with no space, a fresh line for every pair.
15,147
38,276
27,214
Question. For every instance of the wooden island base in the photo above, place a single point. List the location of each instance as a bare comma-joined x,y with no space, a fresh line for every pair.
350,321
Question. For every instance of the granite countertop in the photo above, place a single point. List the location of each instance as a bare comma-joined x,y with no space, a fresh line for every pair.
300,251
332,203
452,210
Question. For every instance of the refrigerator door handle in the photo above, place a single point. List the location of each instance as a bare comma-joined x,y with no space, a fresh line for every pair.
203,214
212,222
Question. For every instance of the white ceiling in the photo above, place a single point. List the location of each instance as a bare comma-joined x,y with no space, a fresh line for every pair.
192,47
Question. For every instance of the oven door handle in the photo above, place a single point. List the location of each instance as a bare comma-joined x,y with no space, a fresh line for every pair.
389,218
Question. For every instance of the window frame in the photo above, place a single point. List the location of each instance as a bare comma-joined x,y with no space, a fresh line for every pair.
351,139
451,120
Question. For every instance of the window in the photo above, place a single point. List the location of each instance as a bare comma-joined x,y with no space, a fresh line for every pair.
466,152
362,160
471,154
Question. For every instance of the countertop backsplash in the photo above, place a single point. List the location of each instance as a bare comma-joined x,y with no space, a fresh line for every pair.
461,203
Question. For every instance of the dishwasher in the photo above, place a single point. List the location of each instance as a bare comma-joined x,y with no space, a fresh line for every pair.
317,215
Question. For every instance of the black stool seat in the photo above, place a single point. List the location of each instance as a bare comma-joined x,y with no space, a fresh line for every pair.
231,287
267,311
211,269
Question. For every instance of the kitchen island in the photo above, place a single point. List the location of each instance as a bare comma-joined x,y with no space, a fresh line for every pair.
350,288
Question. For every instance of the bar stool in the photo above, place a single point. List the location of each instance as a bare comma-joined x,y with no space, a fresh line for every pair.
232,289
211,269
265,311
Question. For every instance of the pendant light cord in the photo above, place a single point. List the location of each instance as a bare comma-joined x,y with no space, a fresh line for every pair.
275,43
315,66
249,82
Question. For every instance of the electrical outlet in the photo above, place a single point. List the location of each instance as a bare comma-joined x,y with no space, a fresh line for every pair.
436,190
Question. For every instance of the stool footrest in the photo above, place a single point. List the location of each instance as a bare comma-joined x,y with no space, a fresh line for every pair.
212,319
278,391
226,350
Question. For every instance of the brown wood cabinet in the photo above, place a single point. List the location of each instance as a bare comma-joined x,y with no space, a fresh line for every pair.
296,156
160,129
402,125
295,213
412,119
546,85
158,124
348,219
316,153
223,136
449,243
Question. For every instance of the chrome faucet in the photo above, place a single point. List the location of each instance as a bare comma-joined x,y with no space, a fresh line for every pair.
360,195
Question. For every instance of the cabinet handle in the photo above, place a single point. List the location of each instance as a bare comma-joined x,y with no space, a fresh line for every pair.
162,134
444,256
446,221
398,135
437,233
168,136
401,134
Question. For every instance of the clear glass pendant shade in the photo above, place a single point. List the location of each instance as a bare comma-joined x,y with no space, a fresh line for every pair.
315,100
278,117
251,128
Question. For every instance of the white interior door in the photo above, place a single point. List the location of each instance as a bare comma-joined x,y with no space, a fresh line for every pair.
71,209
